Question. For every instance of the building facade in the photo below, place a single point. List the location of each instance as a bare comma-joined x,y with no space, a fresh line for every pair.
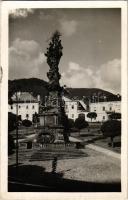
103,109
24,105
74,108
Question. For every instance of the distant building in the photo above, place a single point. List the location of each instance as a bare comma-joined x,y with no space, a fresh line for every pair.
74,108
103,109
27,105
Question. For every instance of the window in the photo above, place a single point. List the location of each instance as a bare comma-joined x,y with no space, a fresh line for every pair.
11,107
72,106
103,108
26,107
72,115
103,117
110,108
33,107
19,106
27,116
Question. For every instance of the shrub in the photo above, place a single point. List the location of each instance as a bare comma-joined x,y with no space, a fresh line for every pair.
115,116
11,127
92,115
80,123
71,123
35,118
11,144
26,123
111,128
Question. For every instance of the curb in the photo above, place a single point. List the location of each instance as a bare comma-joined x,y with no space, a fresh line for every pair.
104,151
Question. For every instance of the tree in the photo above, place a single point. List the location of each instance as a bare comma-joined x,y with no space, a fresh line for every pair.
111,128
35,118
80,123
115,116
92,115
71,123
26,123
11,127
11,121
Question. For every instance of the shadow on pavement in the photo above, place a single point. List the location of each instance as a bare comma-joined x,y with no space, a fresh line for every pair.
32,178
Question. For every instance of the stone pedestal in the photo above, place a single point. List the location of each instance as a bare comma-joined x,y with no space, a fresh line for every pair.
50,124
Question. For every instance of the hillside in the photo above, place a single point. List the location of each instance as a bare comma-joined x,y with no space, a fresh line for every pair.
38,86
33,85
92,93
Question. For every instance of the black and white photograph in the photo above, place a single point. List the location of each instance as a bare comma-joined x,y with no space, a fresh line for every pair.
64,104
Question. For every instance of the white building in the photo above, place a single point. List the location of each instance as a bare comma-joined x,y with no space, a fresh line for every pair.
26,103
103,109
74,108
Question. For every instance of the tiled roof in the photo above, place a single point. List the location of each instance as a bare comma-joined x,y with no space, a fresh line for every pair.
24,96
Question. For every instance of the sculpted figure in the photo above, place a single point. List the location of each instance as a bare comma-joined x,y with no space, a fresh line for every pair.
53,54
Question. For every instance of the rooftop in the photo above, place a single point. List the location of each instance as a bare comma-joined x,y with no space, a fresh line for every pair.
24,97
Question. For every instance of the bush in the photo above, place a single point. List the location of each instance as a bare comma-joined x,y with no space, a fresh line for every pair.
71,123
111,128
115,116
11,121
35,118
92,115
11,127
80,123
11,144
26,123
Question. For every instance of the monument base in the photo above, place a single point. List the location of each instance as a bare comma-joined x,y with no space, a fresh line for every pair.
49,124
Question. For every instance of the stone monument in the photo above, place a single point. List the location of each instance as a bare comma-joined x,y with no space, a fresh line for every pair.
53,117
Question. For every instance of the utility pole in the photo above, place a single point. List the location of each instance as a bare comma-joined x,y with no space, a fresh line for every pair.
17,131
17,95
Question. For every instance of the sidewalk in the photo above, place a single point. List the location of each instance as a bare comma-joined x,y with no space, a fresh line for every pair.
97,148
104,151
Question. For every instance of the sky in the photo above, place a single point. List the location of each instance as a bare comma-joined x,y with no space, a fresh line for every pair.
91,40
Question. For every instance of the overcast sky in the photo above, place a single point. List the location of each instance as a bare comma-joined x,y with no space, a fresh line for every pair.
91,40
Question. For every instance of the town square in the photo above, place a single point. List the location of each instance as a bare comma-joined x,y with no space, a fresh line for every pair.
65,100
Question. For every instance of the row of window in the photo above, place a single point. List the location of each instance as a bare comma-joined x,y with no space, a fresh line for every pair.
66,106
103,108
26,107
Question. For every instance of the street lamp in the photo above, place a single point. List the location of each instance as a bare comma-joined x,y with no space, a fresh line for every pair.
17,95
15,99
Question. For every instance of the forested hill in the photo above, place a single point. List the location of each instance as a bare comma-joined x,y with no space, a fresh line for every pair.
92,93
38,86
33,85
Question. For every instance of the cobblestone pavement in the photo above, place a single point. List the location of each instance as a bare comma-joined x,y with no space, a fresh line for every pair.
90,166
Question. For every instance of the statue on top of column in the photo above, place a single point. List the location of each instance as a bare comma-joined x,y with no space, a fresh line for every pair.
53,54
